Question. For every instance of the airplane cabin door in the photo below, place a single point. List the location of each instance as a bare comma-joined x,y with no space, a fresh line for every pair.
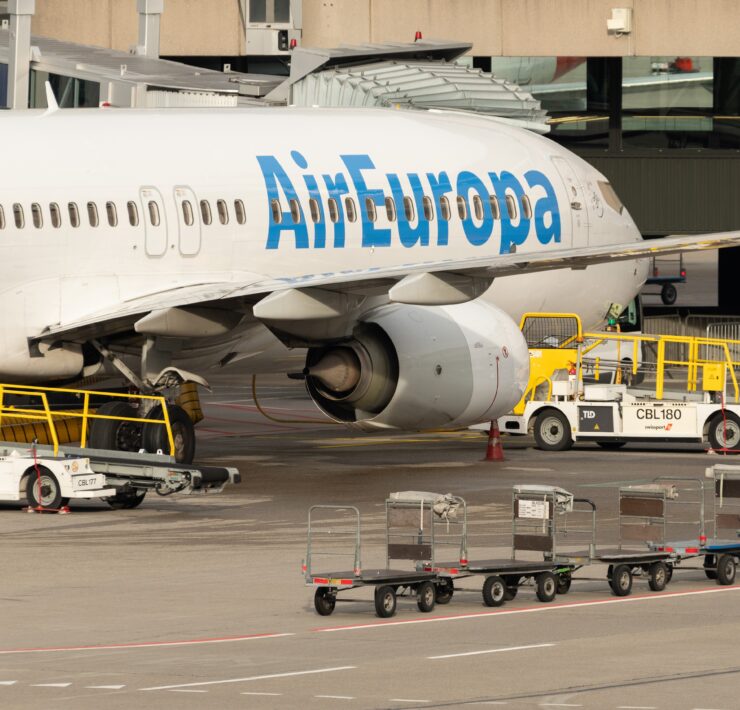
188,221
155,222
576,205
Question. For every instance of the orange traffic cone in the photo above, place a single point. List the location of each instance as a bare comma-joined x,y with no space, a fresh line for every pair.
494,450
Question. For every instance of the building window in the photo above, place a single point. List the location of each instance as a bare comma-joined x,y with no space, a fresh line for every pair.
444,208
223,211
20,220
153,213
241,215
37,216
74,214
372,214
390,209
133,214
349,206
187,213
462,208
112,212
333,210
205,211
92,214
277,212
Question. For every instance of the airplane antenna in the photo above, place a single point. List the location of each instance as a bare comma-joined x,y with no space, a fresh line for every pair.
51,101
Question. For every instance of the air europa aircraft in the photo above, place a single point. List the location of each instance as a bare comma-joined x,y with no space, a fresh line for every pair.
392,251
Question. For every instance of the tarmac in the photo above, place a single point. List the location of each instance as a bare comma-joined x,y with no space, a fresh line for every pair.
200,601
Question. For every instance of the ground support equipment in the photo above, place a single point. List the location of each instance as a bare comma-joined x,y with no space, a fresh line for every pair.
410,536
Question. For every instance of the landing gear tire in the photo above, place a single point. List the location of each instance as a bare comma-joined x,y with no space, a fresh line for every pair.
385,602
154,436
112,434
547,586
658,576
425,597
726,569
126,500
552,431
724,433
43,490
445,590
668,294
494,591
621,581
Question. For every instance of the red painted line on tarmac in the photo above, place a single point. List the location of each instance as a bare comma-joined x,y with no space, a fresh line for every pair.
144,644
530,609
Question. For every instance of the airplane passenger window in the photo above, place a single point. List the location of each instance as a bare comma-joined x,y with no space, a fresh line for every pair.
428,208
74,214
187,213
241,215
511,207
2,217
462,208
372,213
205,211
112,212
444,208
315,212
92,214
390,209
526,207
20,221
223,211
133,214
478,207
349,206
153,213
408,208
333,210
495,209
37,216
277,212
295,210
56,215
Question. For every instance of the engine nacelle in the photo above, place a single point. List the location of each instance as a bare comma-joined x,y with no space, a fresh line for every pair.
420,367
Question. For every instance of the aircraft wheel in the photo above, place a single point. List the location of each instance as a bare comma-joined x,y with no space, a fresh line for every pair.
154,436
112,434
552,431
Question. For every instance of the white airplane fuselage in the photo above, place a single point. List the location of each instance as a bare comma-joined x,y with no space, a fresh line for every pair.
100,161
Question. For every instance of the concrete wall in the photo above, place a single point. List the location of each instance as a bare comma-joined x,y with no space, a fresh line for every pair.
496,27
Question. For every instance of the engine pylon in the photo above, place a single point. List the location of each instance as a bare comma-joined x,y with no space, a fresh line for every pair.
494,450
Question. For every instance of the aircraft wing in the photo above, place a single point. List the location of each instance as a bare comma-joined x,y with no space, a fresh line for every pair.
424,283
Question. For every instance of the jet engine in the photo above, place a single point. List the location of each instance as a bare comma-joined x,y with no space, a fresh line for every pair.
420,367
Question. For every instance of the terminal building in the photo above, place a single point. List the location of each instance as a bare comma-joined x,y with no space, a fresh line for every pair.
648,91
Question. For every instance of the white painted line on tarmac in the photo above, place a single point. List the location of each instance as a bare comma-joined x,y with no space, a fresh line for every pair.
491,650
525,468
336,697
560,705
51,685
407,700
104,687
662,596
146,644
254,677
636,707
8,682
256,693
186,690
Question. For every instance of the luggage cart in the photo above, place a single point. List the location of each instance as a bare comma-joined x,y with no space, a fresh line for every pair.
412,519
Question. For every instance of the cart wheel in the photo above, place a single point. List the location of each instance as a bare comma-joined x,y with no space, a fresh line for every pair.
710,567
621,581
668,573
385,602
547,586
324,601
564,581
494,591
43,490
552,431
425,596
725,569
445,590
668,294
658,576
512,587
724,433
